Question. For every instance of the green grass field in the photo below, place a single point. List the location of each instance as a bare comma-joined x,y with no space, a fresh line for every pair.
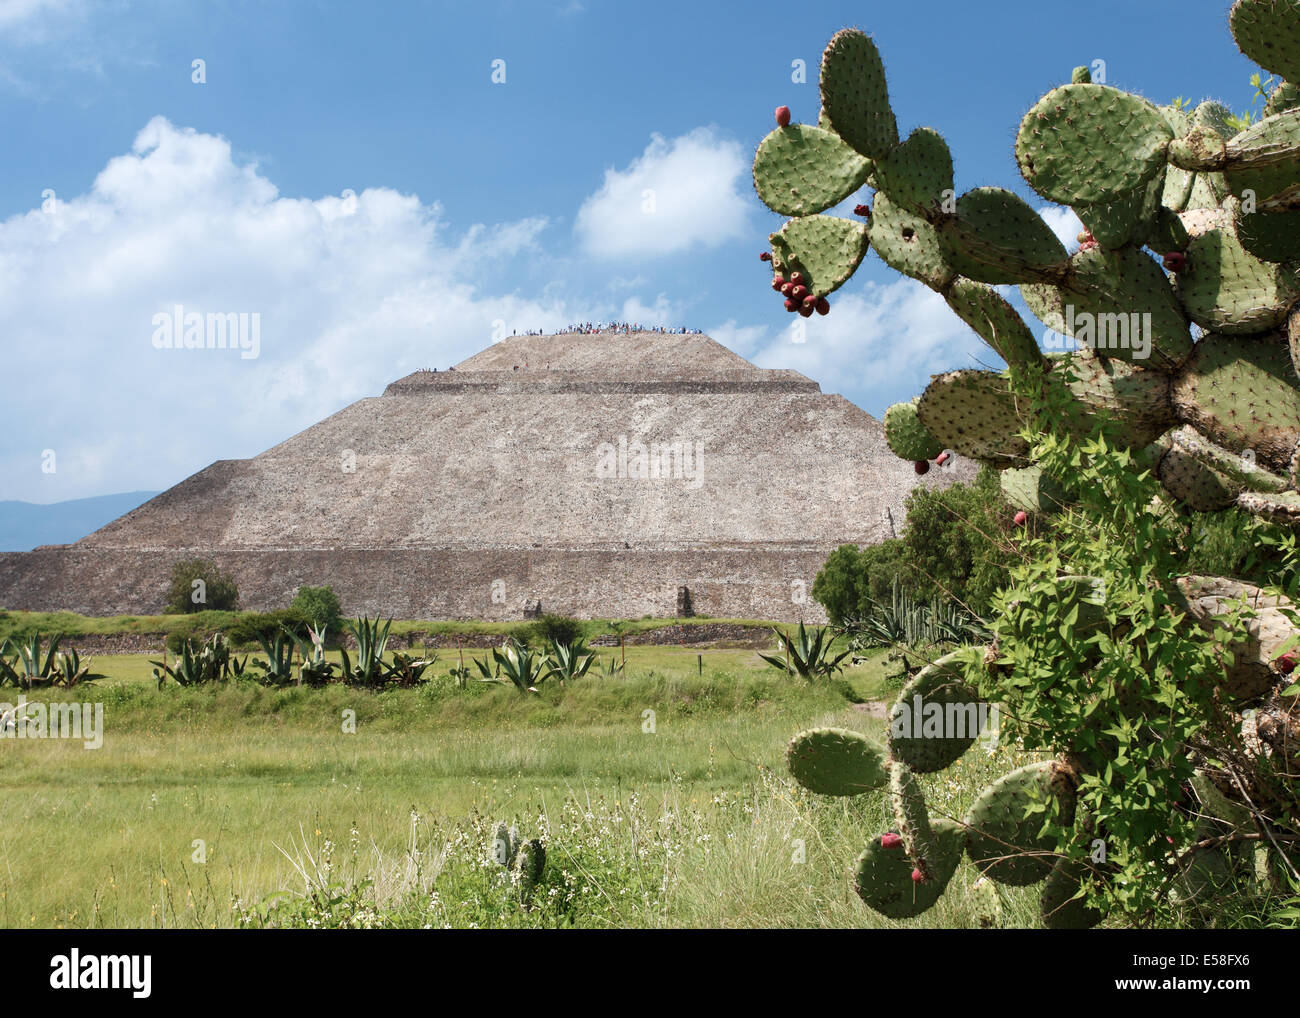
204,804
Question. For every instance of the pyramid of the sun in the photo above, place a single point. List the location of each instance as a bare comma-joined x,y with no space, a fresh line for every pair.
594,474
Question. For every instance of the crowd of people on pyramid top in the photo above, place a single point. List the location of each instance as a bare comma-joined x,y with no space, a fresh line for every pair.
586,328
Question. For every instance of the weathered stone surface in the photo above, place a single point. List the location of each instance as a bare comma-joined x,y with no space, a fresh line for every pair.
469,493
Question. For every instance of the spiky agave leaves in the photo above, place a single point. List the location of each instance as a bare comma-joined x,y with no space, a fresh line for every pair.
810,655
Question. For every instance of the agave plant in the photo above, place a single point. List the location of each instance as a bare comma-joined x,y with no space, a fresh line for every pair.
568,661
69,670
277,667
488,668
32,664
371,637
520,665
314,669
904,621
409,671
196,663
808,655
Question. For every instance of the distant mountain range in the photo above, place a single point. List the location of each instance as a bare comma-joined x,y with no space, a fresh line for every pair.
25,525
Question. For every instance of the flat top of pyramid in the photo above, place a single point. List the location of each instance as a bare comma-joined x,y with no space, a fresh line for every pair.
625,355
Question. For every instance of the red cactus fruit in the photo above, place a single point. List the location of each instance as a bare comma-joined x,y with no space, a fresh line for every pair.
800,292
765,256
806,310
823,306
798,278
791,305
922,466
862,210
783,116
810,301
1286,663
917,876
787,288
1019,518
778,282
890,840
941,459
1175,261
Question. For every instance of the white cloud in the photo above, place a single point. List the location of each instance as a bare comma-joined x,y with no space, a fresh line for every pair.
662,312
353,292
678,195
1064,223
878,346
31,21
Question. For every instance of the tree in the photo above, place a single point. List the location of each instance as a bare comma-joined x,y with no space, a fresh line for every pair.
319,606
200,585
952,548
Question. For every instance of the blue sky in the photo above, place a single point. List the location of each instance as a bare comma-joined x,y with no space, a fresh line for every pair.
471,202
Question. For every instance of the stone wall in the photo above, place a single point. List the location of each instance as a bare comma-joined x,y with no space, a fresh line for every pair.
763,582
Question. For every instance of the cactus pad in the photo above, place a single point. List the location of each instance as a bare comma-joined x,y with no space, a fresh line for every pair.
1240,468
1135,399
1083,144
908,244
1263,160
995,320
974,413
1271,236
1195,483
907,436
1109,294
836,761
1127,220
1059,907
1242,393
1003,830
883,876
826,249
1268,32
995,237
801,170
911,815
855,95
1031,490
1227,289
985,904
927,746
1281,508
1285,96
918,173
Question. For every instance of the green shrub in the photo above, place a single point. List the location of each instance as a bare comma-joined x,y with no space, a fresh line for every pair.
248,628
523,634
1234,543
950,550
854,578
202,579
558,629
320,607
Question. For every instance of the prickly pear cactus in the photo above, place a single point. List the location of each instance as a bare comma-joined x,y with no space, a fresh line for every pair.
902,873
522,861
1181,295
939,717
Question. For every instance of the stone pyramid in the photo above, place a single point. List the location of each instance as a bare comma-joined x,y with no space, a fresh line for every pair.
592,474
